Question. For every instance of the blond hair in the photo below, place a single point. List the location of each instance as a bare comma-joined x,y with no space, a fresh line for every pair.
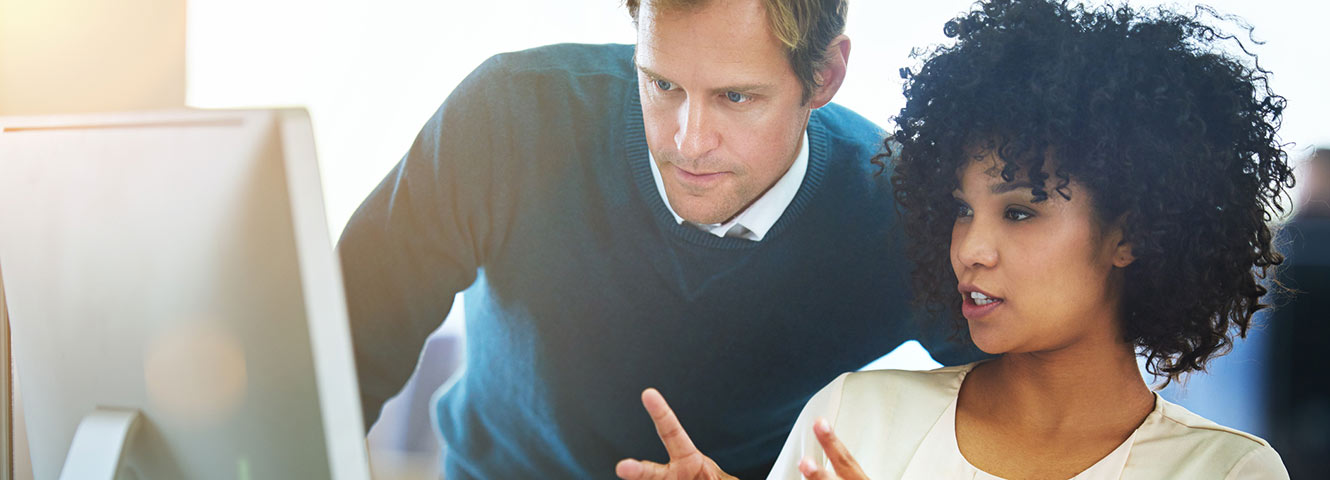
805,27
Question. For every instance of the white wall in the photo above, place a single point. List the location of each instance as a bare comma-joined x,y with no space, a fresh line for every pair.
372,72
65,56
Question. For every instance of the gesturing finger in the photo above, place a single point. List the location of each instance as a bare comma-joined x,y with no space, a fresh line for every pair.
811,472
668,428
629,469
844,463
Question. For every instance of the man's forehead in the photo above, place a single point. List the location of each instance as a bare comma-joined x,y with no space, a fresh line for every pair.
661,59
710,51
649,8
736,27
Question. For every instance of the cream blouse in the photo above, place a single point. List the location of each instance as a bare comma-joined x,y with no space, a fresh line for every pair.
902,424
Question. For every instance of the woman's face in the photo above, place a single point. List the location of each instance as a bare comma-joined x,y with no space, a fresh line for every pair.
1033,276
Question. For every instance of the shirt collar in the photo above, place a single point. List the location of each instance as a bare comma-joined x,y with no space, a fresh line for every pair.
753,222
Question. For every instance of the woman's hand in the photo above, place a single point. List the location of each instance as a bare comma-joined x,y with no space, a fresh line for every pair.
843,465
686,462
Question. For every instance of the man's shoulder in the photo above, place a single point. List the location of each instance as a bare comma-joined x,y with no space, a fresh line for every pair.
845,125
573,59
555,92
850,141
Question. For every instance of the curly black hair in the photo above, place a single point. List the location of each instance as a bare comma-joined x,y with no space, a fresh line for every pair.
1144,109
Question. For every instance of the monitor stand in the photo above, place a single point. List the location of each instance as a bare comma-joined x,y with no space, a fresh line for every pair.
98,449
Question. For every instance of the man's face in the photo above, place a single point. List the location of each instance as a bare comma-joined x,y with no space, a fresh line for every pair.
722,107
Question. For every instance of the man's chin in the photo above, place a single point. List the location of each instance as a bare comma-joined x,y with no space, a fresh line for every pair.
705,216
707,220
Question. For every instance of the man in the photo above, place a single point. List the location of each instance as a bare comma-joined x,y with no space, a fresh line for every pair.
691,215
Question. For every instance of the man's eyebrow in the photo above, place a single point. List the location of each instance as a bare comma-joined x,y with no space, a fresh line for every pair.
649,73
1005,187
747,87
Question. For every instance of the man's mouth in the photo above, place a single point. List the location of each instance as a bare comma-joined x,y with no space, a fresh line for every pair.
697,178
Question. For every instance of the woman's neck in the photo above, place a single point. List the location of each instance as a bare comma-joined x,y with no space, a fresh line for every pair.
1090,385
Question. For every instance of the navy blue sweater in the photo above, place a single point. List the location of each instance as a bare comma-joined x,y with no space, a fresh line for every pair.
530,187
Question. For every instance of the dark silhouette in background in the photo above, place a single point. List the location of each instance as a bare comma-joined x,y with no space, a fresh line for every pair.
1299,402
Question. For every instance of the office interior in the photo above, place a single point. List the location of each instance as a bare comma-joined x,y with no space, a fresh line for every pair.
371,72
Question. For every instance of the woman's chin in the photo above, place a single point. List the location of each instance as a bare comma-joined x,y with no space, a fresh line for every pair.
989,340
991,349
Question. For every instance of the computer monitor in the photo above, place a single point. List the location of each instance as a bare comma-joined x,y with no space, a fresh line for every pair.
172,288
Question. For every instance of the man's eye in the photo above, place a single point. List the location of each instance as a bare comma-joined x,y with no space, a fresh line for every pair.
737,97
664,85
1016,214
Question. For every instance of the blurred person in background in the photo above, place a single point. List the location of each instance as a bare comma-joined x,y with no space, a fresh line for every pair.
1299,395
690,212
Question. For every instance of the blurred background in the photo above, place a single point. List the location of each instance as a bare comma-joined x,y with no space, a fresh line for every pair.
370,74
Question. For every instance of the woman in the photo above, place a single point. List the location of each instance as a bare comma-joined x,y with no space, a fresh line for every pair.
1080,186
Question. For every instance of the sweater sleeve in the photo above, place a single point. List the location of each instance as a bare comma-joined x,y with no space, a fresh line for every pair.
801,442
421,235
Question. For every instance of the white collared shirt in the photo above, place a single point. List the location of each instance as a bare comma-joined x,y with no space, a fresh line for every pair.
753,222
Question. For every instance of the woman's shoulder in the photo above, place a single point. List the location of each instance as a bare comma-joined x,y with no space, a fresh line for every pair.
1179,420
880,415
945,381
908,400
1193,445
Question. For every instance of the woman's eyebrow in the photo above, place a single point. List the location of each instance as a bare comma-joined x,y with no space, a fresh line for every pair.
1005,187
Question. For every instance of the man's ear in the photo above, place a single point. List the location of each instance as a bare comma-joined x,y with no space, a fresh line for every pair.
832,74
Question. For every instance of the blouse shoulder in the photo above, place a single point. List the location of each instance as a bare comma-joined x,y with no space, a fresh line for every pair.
1262,463
944,382
1196,425
881,416
1200,448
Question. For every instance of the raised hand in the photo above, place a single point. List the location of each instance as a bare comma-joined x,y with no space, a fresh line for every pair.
843,465
686,462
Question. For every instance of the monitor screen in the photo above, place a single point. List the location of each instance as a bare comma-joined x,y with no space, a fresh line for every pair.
177,264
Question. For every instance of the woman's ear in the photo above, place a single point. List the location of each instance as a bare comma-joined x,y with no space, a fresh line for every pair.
1122,255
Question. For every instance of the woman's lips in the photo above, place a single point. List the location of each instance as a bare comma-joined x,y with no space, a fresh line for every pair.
974,311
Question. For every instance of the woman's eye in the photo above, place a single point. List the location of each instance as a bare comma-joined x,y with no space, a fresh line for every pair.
1016,214
737,97
664,85
963,210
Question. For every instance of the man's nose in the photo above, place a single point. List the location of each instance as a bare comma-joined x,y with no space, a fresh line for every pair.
697,133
